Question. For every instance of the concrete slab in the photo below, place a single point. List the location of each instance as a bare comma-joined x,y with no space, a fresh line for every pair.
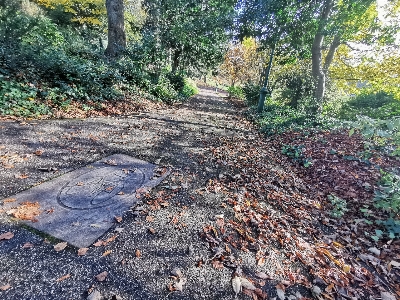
80,206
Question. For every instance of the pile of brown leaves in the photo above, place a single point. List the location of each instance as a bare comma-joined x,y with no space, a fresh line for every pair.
280,208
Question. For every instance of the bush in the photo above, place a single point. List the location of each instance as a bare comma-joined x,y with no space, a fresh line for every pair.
295,84
278,118
251,93
371,100
236,92
18,99
70,65
378,105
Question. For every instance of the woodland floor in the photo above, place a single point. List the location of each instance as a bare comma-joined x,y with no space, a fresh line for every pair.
232,206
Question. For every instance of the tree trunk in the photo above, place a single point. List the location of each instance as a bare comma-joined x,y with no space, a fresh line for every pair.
116,29
176,60
316,57
264,89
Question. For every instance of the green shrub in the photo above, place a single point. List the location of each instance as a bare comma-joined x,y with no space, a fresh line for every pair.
18,99
371,100
189,89
236,92
278,118
251,93
339,206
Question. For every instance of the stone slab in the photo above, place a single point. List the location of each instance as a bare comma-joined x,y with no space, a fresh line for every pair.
83,203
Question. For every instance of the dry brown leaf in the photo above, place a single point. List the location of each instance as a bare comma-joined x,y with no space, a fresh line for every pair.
5,287
152,230
27,211
82,251
38,152
60,246
138,253
27,245
118,219
217,264
6,236
247,284
22,176
108,252
102,276
150,219
9,200
63,277
98,243
110,239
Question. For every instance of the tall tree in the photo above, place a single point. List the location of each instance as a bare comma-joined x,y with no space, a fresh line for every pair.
116,28
282,26
192,33
338,22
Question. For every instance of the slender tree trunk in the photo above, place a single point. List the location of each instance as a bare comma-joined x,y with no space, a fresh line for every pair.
264,89
316,57
116,29
176,60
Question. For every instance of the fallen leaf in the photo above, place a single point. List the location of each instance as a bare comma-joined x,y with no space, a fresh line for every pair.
247,284
38,152
102,276
150,219
387,296
236,285
217,264
179,285
375,251
63,277
138,253
98,243
6,236
152,230
22,176
82,251
108,252
9,200
118,219
262,275
5,287
60,246
346,268
394,264
94,295
26,211
176,272
27,245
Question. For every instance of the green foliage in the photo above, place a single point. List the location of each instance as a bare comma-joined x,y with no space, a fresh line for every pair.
18,99
297,153
296,84
387,199
189,89
251,93
56,64
339,206
381,133
278,118
236,92
378,105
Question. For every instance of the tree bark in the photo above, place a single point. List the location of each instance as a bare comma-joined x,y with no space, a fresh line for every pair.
176,60
116,29
316,57
263,91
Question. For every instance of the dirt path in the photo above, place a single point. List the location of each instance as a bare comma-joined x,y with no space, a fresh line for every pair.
181,138
232,200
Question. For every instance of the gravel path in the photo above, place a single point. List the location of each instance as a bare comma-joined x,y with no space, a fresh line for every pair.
140,261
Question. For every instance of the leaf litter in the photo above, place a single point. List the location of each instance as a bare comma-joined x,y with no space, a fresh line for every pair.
280,206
